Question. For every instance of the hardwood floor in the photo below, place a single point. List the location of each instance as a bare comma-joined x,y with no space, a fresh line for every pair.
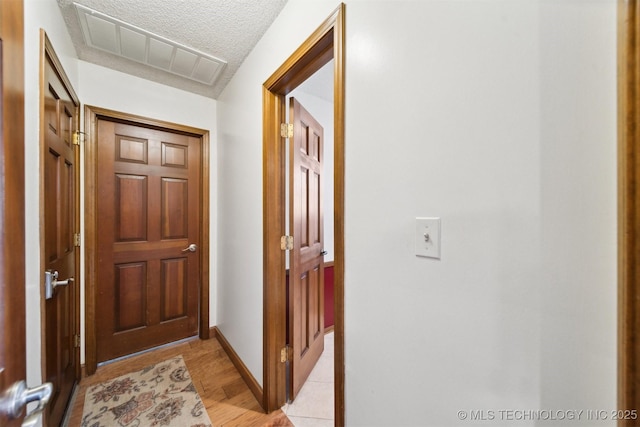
228,400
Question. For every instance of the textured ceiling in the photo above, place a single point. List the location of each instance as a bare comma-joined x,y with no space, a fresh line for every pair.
226,29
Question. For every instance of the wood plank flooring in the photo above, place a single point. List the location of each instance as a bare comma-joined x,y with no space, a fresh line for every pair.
228,400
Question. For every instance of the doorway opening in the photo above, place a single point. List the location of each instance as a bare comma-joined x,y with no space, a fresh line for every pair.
325,44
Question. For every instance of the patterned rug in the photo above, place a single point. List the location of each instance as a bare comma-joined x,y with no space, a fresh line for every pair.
158,395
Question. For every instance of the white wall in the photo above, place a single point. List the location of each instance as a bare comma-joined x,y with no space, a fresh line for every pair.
497,116
106,88
578,193
38,14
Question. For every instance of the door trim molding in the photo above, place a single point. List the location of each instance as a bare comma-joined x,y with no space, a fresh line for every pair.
325,43
47,51
91,116
628,211
12,197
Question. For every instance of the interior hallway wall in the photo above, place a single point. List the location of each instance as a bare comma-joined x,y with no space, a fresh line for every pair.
578,281
500,118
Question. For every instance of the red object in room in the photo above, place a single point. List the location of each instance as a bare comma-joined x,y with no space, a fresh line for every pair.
328,295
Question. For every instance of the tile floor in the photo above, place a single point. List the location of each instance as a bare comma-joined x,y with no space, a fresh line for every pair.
313,406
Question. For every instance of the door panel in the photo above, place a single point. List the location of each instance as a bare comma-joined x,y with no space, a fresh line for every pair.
307,265
130,286
174,208
131,202
60,187
173,289
148,212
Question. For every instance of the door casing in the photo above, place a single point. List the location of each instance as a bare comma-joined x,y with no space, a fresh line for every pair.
325,43
628,208
91,116
12,198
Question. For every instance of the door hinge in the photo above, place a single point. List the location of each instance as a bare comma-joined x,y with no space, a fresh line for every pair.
78,137
286,243
76,239
286,130
76,340
285,354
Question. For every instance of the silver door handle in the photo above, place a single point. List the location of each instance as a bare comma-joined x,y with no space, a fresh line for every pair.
15,399
191,248
51,282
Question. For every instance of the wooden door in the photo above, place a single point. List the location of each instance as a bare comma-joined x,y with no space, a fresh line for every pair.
60,188
12,270
148,206
306,288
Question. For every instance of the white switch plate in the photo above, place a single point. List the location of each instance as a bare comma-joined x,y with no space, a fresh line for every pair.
428,237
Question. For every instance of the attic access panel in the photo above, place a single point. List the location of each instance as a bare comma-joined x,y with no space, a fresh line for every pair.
117,37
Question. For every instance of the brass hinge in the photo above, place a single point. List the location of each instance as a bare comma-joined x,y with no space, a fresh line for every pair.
78,137
286,130
285,354
286,243
76,239
76,340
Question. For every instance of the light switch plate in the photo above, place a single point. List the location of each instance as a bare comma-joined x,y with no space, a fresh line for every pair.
428,237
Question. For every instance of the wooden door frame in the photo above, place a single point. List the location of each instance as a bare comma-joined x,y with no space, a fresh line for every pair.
47,50
325,43
628,207
91,116
12,197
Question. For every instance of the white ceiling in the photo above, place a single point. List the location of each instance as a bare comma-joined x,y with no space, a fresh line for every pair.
219,31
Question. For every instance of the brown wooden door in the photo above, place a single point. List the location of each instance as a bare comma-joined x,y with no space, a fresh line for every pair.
12,270
60,189
306,289
148,207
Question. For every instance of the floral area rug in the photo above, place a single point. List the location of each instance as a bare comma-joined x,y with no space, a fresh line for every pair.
159,395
